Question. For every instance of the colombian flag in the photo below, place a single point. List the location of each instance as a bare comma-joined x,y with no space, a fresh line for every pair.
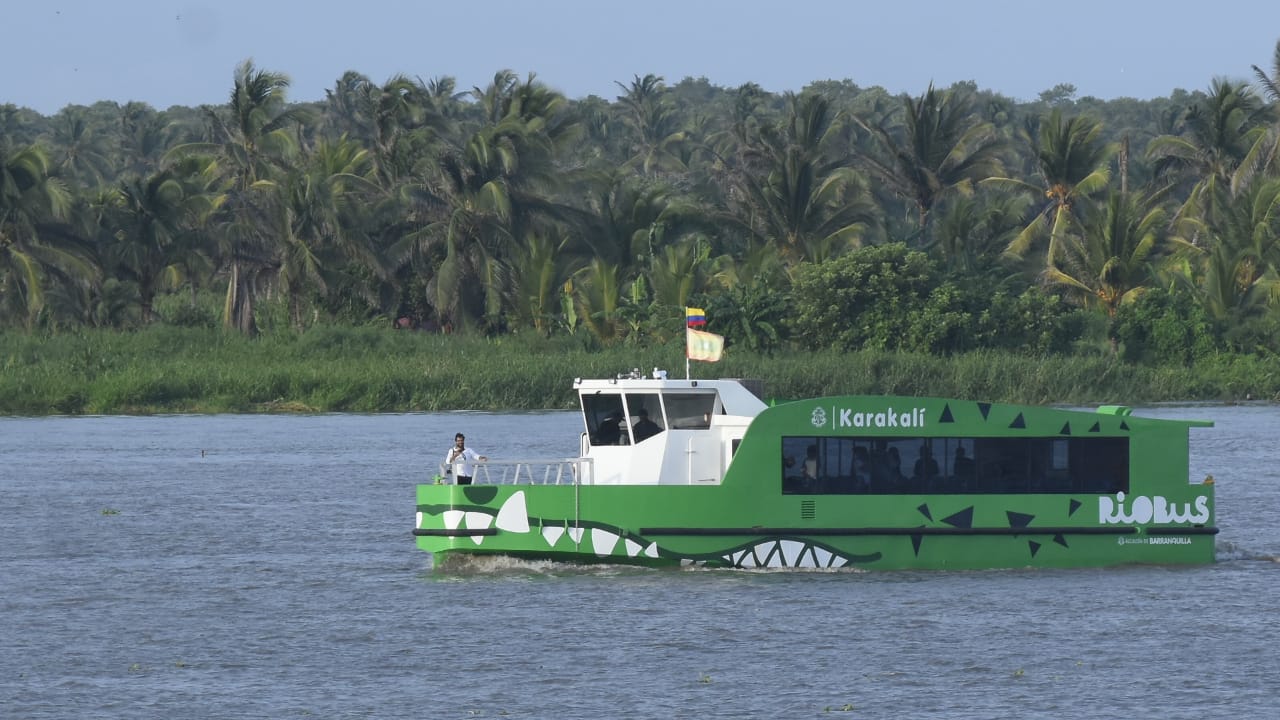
695,316
704,346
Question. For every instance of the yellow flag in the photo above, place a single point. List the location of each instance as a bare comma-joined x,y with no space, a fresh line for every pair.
704,346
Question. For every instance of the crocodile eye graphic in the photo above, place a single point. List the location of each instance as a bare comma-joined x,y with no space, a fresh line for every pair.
819,417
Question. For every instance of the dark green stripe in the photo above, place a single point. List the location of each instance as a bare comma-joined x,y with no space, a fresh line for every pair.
891,531
457,532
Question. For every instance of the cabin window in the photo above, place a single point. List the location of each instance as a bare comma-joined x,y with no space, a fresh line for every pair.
644,412
690,411
605,419
905,465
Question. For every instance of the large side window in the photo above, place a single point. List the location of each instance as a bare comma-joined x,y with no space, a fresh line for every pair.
949,465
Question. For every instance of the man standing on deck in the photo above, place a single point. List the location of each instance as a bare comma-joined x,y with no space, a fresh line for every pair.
464,457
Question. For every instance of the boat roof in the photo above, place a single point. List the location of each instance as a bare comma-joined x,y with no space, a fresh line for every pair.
735,393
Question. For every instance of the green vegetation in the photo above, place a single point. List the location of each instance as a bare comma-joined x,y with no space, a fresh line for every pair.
841,239
327,369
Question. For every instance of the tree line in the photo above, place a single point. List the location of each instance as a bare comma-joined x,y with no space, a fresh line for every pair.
838,216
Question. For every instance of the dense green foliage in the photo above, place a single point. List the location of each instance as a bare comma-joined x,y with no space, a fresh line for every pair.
1130,237
330,369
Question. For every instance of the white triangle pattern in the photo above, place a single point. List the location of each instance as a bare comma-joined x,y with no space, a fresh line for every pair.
603,541
478,521
512,516
552,534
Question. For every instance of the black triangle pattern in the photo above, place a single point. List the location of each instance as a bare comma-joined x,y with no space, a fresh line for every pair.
946,414
915,543
1066,429
1073,507
924,510
1061,540
1097,427
1124,426
1019,520
1018,422
984,408
1035,547
962,519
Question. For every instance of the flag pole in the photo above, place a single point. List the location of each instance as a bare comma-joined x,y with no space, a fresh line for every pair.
686,342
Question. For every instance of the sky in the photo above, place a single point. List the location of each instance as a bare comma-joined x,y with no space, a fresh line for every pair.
61,52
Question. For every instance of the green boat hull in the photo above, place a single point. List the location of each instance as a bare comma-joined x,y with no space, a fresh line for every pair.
1094,489
664,526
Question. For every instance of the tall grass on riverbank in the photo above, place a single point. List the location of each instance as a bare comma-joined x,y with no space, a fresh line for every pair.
343,369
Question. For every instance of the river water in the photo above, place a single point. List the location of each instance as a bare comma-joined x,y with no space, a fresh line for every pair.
263,567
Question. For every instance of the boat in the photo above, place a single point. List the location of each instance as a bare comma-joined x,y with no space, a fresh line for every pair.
723,479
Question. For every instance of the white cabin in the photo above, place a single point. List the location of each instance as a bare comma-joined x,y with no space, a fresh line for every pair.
696,426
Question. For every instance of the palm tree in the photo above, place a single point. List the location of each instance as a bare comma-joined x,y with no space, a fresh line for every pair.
597,290
254,139
392,118
1228,294
1249,230
1237,278
16,127
1270,84
1110,263
316,229
1071,161
32,247
1270,87
941,147
484,197
973,232
798,191
1217,150
80,152
541,268
152,224
145,136
657,135
628,219
680,270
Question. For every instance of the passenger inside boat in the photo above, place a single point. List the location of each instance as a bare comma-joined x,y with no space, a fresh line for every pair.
610,430
926,468
811,467
644,427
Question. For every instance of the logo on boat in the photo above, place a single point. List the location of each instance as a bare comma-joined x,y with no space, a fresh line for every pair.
1155,541
887,418
1144,509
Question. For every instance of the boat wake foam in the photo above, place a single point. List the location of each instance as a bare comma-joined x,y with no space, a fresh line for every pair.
1228,552
463,565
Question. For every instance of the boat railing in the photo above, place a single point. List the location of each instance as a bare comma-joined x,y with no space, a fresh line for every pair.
556,471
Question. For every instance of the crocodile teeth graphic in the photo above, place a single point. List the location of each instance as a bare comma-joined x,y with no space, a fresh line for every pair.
452,518
512,516
552,534
603,542
478,521
785,554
